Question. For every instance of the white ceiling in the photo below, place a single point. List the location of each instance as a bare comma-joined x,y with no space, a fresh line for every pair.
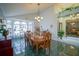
16,9
24,10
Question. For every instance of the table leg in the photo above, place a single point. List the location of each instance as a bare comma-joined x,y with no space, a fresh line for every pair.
37,49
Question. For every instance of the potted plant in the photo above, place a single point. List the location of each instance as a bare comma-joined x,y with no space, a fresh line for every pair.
60,34
4,32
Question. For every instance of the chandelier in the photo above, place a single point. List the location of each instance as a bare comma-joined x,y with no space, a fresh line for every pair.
38,17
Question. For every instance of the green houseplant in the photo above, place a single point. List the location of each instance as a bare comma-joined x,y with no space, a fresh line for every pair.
4,32
60,34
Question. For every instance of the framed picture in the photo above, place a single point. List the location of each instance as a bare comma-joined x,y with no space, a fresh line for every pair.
72,27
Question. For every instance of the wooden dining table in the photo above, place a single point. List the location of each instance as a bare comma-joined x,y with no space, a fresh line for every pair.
37,40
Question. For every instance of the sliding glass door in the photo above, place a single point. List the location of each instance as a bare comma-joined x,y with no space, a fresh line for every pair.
17,28
16,33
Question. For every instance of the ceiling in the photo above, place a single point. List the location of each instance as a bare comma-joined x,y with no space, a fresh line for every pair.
15,9
21,10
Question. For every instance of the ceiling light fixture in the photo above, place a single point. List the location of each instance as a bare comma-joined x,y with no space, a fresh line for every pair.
38,17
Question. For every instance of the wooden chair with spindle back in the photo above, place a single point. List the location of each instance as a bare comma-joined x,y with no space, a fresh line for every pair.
28,35
47,41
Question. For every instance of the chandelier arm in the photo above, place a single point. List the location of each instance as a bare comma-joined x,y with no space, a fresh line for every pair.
38,9
38,18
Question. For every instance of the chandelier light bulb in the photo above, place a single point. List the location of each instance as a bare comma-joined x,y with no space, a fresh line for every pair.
77,14
35,18
38,18
41,17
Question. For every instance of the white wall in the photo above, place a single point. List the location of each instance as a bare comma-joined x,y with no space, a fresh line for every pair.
1,15
49,19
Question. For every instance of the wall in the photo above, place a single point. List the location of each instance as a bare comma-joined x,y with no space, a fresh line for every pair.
1,14
49,22
1,17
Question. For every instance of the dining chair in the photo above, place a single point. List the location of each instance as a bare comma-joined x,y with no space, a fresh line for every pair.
47,41
26,35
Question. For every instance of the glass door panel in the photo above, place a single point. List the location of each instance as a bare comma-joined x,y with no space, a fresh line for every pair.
9,27
16,31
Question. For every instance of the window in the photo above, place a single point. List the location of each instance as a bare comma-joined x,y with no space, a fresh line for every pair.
17,28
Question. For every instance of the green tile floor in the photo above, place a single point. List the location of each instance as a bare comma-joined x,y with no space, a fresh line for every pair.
57,49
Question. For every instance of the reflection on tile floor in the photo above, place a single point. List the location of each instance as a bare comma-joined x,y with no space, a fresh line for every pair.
57,49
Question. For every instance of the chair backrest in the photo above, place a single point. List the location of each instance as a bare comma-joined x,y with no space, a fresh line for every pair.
26,36
47,37
29,35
